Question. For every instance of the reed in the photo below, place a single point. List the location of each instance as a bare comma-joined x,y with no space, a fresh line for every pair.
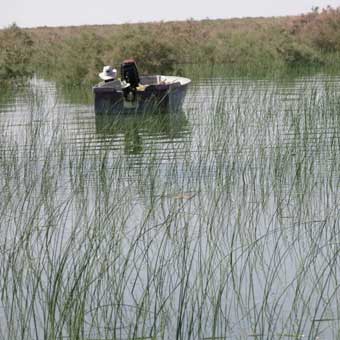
16,48
230,234
75,55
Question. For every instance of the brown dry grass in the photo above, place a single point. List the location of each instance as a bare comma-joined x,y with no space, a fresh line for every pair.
75,54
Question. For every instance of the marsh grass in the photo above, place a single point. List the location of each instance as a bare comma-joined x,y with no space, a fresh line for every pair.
15,55
75,55
232,234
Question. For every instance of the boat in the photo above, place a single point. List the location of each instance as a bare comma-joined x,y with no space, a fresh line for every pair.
134,93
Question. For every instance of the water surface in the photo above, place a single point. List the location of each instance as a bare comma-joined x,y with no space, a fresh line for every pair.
220,221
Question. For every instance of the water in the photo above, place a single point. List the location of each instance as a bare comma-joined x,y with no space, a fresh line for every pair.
220,221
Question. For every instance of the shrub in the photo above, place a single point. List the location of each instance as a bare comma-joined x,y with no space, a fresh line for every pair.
320,28
75,55
295,54
78,60
152,55
16,48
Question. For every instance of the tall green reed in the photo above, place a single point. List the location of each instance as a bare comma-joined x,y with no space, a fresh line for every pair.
230,234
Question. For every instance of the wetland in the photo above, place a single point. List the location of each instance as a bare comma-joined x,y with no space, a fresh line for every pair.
217,222
220,221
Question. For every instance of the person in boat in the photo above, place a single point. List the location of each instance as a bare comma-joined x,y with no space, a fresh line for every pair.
108,75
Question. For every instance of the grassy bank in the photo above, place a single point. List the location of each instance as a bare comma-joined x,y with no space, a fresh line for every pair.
74,55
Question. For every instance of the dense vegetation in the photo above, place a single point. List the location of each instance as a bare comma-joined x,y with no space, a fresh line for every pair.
16,48
221,223
218,222
74,55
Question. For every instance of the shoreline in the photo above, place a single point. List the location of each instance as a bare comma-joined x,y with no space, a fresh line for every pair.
75,54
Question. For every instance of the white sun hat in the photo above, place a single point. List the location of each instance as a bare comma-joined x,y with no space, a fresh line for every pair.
108,73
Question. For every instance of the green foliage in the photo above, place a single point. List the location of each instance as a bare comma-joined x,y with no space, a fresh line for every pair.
78,59
75,55
152,54
295,54
15,53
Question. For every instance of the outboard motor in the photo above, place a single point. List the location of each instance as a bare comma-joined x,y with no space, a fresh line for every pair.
129,74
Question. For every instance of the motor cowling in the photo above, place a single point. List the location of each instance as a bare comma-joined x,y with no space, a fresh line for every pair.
129,73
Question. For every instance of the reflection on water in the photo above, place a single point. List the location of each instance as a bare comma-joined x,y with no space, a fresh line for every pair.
136,129
41,102
221,221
